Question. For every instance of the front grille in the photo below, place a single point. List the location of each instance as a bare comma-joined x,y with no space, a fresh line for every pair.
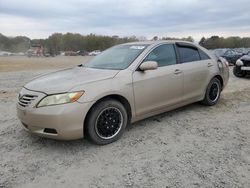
246,63
25,100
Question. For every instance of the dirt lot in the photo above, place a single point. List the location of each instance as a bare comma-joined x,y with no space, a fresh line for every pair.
194,146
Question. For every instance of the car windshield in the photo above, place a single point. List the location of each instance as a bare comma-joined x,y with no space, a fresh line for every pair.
219,52
116,58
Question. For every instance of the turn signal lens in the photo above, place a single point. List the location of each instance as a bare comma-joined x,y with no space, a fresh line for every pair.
75,96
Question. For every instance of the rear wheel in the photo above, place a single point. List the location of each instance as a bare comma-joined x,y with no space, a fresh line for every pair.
238,72
212,93
106,122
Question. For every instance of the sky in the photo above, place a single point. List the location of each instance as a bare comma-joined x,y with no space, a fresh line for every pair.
164,18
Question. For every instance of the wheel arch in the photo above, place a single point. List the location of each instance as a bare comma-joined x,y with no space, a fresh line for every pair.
219,77
117,97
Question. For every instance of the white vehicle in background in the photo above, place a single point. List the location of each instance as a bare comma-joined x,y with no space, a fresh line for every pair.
242,66
5,53
95,53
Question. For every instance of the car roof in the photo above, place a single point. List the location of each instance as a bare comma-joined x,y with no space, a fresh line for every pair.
181,42
156,42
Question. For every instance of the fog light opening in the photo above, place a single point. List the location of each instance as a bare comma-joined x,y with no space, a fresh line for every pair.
50,131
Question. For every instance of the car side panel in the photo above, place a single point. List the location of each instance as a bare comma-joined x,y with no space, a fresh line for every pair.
196,76
121,85
157,89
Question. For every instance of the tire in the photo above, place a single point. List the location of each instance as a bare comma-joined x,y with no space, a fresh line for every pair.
213,91
106,122
238,72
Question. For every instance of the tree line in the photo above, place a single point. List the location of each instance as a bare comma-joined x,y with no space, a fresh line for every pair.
63,42
14,44
215,42
74,42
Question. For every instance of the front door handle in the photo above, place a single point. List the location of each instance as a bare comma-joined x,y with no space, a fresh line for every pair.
210,64
177,71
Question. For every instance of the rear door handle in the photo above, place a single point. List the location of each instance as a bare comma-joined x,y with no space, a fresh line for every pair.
177,71
210,64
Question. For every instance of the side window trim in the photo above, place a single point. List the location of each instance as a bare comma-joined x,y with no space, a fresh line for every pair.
186,45
178,57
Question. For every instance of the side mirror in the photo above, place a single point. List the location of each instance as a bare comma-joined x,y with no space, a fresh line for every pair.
148,65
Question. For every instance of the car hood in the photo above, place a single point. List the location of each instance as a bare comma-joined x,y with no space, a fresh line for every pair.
245,57
65,80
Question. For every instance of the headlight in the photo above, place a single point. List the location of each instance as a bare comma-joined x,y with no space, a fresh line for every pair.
60,99
239,62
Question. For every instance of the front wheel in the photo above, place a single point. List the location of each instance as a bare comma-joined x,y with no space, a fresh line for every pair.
212,92
238,72
106,122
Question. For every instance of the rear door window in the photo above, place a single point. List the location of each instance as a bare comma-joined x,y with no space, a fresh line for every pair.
188,54
203,55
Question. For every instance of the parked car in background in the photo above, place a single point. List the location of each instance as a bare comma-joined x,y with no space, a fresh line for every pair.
70,53
31,53
124,84
4,53
219,52
82,52
36,50
231,56
242,66
95,53
47,54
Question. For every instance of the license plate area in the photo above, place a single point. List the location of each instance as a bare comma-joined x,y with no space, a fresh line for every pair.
245,68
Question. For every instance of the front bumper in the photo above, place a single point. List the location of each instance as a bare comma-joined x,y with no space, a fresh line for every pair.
62,122
245,68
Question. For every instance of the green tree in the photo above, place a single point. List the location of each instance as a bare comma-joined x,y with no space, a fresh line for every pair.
54,43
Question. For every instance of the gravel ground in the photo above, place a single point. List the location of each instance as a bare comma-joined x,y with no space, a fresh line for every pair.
194,146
